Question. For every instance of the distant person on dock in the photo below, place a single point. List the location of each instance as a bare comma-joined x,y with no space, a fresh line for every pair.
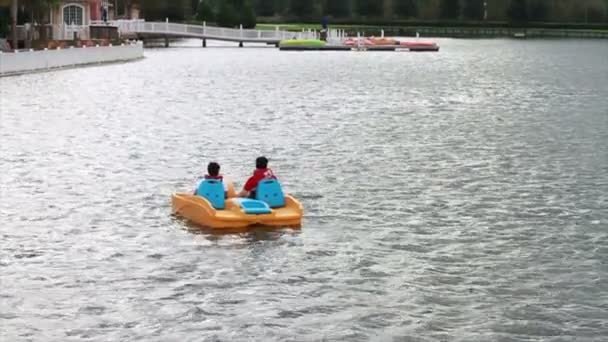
104,14
323,33
213,172
261,172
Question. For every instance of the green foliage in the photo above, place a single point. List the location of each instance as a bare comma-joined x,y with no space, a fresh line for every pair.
265,8
301,8
233,13
359,11
337,8
538,10
594,15
204,12
370,8
4,21
193,5
175,10
449,9
518,11
473,9
227,15
406,8
248,18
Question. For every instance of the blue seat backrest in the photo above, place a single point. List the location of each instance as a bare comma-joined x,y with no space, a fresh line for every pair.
271,192
254,207
213,191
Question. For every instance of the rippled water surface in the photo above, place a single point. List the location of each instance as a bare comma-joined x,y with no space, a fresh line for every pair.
456,196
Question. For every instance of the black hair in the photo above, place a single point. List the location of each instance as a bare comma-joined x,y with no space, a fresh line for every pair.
261,163
213,169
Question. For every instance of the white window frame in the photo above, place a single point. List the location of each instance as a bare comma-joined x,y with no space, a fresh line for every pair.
63,8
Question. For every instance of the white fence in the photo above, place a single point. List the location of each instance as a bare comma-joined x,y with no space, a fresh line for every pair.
32,61
208,32
67,32
130,27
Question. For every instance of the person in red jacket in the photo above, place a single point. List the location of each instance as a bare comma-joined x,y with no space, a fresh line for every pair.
262,171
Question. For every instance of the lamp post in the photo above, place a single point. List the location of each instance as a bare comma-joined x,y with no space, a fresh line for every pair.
14,6
485,10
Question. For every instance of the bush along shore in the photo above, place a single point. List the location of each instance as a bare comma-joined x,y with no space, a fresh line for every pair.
455,29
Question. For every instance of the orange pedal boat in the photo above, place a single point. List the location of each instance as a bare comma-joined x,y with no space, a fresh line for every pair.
209,207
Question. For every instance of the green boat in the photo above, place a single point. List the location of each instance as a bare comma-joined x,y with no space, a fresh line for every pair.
304,43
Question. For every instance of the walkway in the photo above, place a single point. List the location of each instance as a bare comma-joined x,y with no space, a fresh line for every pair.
144,29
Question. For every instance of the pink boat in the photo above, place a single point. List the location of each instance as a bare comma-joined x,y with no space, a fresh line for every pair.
420,46
388,42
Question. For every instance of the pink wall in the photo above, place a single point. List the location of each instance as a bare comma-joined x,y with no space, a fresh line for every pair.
95,9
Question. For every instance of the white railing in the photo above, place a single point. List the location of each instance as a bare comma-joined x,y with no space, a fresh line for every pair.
21,32
205,31
57,32
66,32
15,63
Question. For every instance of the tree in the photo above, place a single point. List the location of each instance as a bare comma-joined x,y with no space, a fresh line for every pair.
264,8
226,15
473,9
449,9
177,10
126,6
194,5
594,13
337,8
370,8
204,12
301,8
5,19
406,8
248,18
538,10
14,7
39,9
518,11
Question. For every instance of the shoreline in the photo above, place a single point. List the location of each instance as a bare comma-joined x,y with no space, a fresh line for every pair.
29,62
68,67
464,31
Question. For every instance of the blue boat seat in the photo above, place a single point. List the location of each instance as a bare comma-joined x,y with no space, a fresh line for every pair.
213,191
271,192
254,207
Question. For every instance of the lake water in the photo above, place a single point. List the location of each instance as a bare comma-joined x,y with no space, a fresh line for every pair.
451,196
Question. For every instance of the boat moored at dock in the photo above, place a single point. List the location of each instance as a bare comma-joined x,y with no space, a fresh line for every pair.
343,43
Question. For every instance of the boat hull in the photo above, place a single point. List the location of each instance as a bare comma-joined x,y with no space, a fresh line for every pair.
200,212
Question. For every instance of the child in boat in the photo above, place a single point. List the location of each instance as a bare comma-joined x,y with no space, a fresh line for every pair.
213,172
261,172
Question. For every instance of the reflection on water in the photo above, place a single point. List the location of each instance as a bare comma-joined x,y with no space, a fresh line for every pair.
250,234
457,196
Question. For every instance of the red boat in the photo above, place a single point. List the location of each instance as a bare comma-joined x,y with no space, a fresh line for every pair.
420,46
